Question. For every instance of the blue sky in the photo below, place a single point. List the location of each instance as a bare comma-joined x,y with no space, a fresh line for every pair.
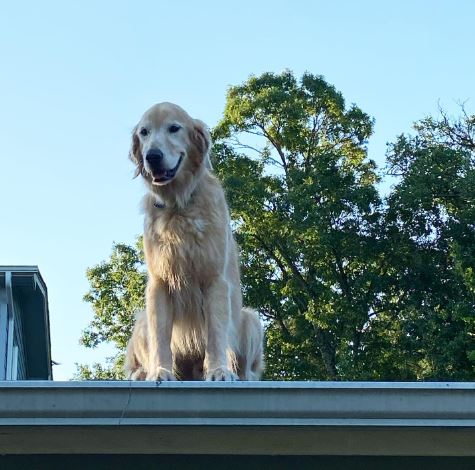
76,76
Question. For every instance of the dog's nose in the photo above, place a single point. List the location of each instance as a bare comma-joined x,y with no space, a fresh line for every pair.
154,156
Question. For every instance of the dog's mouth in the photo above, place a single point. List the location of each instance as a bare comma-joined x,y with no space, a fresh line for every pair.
163,176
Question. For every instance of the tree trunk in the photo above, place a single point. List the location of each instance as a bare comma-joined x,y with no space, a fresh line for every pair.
328,353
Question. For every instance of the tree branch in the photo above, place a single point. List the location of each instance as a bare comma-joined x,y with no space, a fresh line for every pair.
275,144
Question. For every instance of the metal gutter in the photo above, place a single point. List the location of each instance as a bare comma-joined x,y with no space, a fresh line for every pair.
294,418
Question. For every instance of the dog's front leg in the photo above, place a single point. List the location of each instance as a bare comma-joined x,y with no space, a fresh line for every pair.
160,326
217,307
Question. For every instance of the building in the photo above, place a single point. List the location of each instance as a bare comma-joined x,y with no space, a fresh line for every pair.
25,347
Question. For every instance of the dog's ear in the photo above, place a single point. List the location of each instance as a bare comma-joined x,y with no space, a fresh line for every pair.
135,154
201,138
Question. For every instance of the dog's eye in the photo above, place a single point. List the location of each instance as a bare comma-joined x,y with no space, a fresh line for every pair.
174,128
143,132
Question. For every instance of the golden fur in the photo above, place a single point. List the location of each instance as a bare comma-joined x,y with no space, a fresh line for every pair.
194,326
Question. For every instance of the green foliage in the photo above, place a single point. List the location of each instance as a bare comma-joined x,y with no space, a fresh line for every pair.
112,370
349,286
304,220
429,224
116,293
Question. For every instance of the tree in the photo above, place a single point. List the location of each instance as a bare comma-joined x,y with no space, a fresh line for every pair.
305,219
116,293
349,286
429,224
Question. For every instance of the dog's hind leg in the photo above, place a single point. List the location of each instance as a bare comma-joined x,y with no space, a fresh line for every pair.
250,359
136,357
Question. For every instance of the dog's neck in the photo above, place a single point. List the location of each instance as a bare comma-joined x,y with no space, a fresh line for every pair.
159,205
173,196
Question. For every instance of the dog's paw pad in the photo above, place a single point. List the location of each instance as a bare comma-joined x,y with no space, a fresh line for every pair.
221,374
160,374
138,374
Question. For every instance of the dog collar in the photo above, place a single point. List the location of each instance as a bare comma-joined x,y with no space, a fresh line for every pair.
161,205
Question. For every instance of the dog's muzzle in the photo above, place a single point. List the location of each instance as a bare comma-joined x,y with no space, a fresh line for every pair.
160,174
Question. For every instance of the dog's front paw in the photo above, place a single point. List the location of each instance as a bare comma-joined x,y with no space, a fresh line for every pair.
138,374
160,374
221,374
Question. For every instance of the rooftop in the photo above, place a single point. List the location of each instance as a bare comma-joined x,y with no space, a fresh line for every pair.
267,418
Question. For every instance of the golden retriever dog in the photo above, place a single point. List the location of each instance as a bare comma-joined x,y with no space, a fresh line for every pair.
194,326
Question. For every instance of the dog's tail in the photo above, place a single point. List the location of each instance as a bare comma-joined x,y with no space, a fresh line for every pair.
251,363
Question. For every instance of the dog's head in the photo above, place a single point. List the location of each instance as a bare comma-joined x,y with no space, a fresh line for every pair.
168,144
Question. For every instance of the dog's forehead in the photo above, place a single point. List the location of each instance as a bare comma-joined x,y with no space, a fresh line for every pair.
163,113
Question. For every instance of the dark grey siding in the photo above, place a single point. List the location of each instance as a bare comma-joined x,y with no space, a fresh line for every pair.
19,355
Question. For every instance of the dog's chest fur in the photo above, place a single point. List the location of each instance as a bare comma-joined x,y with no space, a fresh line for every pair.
181,248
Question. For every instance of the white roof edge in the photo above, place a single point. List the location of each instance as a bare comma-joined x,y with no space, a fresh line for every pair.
26,269
29,268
